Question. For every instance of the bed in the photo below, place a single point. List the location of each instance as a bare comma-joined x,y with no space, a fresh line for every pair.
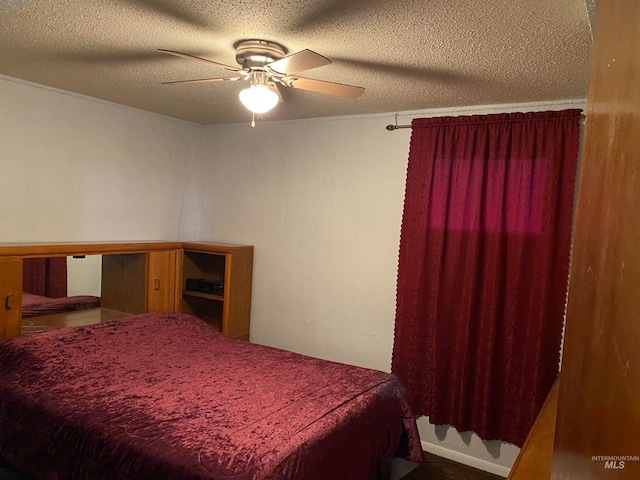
38,305
158,396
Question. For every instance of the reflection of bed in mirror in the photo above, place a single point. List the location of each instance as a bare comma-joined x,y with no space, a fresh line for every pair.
38,305
58,285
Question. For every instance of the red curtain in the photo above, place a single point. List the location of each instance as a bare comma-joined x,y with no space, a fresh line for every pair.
45,276
483,267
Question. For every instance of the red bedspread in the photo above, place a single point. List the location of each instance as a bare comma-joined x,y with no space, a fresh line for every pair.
37,305
160,396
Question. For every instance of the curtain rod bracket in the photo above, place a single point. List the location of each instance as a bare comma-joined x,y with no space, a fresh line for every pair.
391,128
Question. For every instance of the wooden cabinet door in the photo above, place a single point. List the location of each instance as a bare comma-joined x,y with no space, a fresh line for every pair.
598,405
124,282
10,297
161,281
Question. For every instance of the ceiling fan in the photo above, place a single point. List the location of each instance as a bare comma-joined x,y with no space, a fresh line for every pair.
266,65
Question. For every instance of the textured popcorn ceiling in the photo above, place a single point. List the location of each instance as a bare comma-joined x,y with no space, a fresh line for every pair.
408,54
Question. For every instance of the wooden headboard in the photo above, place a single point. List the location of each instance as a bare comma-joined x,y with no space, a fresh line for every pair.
145,276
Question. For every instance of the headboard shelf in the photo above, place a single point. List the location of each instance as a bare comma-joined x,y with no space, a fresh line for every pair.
35,250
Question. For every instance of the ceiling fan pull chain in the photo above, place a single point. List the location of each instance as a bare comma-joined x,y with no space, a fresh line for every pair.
253,120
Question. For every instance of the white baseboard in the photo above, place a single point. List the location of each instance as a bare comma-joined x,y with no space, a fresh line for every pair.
466,459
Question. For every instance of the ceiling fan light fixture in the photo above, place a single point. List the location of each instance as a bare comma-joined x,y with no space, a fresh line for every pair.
259,98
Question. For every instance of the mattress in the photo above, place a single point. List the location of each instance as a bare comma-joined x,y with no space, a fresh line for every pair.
158,396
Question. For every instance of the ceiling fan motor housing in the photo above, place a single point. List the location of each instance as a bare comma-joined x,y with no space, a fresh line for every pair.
258,53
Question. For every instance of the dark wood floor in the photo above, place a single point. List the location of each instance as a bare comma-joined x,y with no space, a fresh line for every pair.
7,472
433,468
438,468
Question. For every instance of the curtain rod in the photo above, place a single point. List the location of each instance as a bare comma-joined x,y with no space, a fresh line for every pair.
391,127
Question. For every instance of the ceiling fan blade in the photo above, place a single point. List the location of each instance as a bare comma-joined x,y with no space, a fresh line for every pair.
321,86
298,62
205,80
274,87
211,62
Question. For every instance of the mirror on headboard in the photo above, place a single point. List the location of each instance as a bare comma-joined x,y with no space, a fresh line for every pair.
59,285
84,275
63,276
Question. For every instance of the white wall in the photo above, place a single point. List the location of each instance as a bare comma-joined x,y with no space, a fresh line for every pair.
321,200
74,168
